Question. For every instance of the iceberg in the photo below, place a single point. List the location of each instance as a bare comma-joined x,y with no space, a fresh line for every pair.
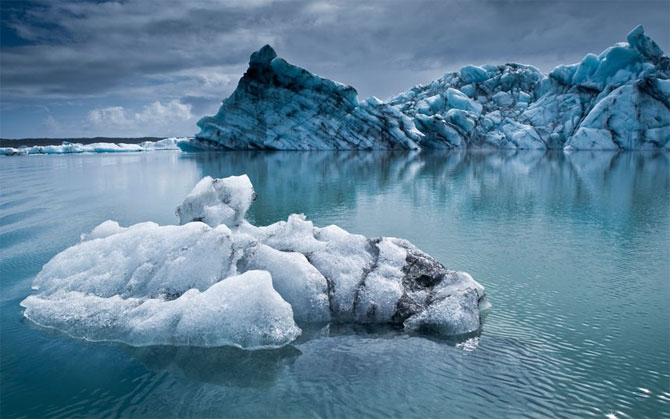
616,100
278,106
217,280
74,148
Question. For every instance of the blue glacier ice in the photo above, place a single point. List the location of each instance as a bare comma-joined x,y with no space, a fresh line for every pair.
618,99
280,106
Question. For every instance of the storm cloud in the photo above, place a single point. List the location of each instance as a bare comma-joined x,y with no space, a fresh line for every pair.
62,62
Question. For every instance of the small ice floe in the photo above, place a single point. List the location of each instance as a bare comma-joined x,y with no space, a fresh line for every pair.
217,280
74,148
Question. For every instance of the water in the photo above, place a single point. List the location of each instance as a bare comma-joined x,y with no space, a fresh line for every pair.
574,252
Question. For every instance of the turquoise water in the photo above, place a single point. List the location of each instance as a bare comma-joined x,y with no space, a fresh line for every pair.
574,252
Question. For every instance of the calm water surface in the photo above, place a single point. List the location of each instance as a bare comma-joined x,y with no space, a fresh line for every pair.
574,252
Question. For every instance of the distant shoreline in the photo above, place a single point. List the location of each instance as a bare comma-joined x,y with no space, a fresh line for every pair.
29,142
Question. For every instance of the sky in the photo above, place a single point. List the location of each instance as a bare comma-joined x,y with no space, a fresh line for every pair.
73,68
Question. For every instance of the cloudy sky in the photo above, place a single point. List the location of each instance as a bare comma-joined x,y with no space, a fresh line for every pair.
143,67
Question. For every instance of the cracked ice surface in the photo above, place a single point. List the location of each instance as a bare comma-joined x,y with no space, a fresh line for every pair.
618,99
217,280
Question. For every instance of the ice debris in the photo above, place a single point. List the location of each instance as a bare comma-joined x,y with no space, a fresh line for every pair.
618,99
73,148
218,280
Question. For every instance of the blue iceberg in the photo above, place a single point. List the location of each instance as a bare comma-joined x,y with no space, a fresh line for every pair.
619,99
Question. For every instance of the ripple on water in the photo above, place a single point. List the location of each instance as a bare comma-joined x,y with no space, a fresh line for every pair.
574,256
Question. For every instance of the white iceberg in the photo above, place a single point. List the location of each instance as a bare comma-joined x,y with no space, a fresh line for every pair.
217,280
218,201
242,311
75,148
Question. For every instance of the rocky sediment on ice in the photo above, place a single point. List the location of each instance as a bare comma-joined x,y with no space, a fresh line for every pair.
217,280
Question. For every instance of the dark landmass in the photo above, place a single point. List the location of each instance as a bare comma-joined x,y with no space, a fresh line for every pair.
6,142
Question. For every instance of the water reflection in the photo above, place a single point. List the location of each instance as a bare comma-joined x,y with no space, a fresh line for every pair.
224,365
573,250
380,331
496,182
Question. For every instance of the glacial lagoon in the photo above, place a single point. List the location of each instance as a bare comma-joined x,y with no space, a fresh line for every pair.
573,249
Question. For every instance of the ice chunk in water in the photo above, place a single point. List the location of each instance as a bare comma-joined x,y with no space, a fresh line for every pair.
242,311
218,280
218,201
452,315
107,228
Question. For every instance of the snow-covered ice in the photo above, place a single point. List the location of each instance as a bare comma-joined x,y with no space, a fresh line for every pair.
243,311
216,279
218,201
618,99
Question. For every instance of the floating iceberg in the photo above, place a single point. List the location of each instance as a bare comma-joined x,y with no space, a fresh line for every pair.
619,99
278,106
217,280
73,148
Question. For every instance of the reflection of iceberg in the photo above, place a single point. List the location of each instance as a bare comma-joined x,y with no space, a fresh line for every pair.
472,184
219,365
218,280
74,148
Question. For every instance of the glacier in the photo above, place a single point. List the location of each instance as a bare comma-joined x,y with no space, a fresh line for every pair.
75,148
217,280
617,100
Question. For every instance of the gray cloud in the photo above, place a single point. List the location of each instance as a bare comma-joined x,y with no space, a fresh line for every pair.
136,52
